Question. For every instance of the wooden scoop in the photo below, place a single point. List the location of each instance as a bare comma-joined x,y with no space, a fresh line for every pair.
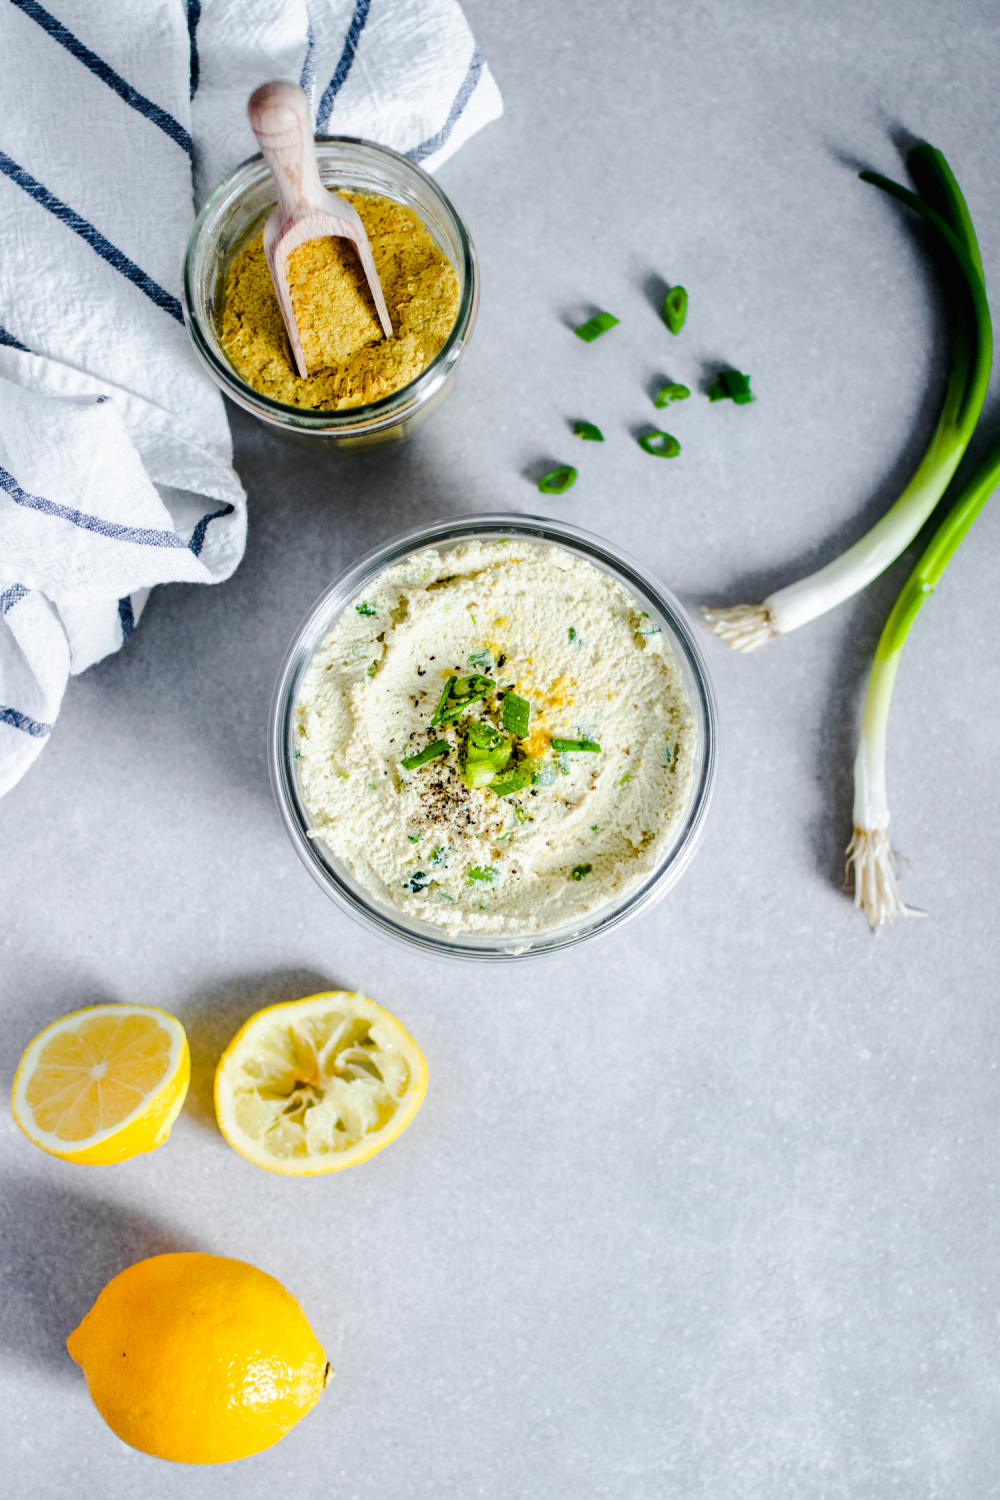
279,117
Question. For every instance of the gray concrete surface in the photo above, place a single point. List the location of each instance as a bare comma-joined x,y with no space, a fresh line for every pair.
708,1211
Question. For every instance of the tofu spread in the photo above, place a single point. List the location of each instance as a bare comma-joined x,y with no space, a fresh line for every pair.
495,739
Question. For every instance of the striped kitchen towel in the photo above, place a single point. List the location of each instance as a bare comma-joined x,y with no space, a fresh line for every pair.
115,455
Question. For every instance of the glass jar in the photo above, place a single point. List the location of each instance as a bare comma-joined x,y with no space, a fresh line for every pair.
237,211
343,886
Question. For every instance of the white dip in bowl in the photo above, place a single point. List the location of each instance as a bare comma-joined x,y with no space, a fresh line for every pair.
451,631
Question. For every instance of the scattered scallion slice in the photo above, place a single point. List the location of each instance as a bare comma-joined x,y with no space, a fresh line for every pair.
482,658
579,871
747,627
508,782
869,852
476,683
659,444
572,633
481,873
478,773
365,609
443,701
429,752
588,432
557,481
671,392
516,713
732,386
595,326
456,710
675,306
565,747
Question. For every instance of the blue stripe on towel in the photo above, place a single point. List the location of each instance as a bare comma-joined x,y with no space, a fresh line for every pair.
198,534
12,342
22,721
112,529
58,32
126,616
342,69
307,78
94,238
12,596
194,16
435,142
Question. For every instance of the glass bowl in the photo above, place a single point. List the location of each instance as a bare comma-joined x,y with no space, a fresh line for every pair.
337,880
237,211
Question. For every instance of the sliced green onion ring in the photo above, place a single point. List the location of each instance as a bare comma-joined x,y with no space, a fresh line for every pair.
588,432
659,444
675,306
443,701
595,326
429,752
670,392
516,713
557,480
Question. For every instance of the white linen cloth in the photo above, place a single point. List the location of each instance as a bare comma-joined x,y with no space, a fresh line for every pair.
115,454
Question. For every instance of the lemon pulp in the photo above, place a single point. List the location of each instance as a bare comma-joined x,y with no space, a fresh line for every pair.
318,1084
103,1084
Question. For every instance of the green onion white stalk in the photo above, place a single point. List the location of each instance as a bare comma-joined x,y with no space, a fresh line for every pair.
747,627
869,854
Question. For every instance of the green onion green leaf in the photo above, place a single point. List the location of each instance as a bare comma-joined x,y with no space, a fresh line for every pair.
675,306
516,712
430,752
510,781
588,432
565,747
579,871
671,392
366,609
443,701
556,481
487,874
660,444
732,386
594,327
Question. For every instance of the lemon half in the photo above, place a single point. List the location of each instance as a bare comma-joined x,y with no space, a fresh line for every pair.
318,1084
103,1084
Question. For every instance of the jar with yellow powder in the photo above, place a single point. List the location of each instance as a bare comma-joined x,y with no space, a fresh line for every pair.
365,392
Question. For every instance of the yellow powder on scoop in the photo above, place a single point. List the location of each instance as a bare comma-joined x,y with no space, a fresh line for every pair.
349,359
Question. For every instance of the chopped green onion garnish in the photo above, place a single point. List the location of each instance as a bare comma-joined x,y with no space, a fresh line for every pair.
565,747
438,856
443,701
516,712
625,779
510,781
595,827
675,306
668,393
660,444
572,632
482,657
478,773
588,432
543,773
456,710
594,327
556,481
474,684
414,838
521,815
373,669
733,386
417,882
579,871
430,752
477,873
366,609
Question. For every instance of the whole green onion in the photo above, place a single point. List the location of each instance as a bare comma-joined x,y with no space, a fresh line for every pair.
746,627
869,855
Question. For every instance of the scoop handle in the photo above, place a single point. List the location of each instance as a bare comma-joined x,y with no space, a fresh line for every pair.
279,118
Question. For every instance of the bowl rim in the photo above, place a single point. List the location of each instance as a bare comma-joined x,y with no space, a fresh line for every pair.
371,416
316,625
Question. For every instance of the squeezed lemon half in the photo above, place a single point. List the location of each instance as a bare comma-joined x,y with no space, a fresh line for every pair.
103,1084
318,1084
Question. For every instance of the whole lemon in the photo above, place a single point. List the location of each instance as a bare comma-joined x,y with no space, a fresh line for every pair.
199,1359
